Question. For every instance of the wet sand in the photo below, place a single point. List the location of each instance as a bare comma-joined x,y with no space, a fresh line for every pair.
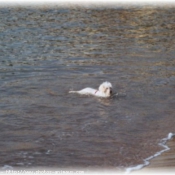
165,162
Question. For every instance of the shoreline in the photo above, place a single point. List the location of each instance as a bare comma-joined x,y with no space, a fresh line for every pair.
164,162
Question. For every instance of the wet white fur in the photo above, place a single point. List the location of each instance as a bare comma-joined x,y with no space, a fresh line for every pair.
104,90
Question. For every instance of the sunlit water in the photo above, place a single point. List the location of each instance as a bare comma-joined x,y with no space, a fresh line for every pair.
44,53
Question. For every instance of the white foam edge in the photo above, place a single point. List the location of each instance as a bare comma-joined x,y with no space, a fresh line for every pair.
146,161
7,167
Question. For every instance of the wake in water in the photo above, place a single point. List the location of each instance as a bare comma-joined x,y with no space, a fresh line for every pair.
146,161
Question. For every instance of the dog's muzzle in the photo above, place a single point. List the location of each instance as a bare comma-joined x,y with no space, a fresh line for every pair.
110,91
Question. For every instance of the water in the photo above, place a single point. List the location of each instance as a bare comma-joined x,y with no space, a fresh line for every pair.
45,52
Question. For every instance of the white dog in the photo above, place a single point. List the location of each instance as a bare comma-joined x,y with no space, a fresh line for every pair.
104,90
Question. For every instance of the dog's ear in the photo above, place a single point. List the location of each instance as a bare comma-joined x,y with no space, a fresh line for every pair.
102,88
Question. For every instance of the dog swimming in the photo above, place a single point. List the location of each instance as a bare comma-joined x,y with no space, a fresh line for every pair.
104,90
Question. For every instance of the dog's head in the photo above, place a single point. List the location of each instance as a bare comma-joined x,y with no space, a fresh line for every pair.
106,88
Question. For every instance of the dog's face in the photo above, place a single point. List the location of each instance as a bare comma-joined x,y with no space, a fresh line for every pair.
106,88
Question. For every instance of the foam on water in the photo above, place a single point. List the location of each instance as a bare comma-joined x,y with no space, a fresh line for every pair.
7,167
146,161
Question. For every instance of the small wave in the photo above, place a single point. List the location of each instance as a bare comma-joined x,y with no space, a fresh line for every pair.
7,167
146,161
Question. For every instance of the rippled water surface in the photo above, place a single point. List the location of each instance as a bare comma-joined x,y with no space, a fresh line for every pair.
45,52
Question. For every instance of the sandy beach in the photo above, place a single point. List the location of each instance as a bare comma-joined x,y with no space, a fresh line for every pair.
165,162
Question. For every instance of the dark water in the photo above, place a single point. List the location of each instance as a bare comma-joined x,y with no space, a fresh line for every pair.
45,52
